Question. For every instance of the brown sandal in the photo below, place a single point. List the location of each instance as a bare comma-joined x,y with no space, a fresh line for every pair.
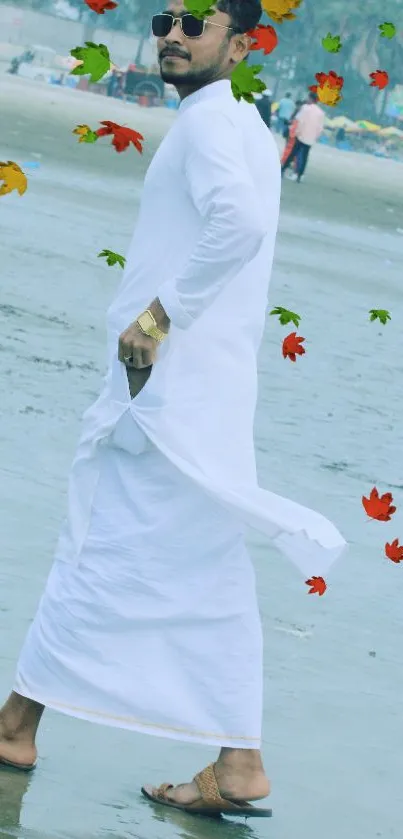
210,802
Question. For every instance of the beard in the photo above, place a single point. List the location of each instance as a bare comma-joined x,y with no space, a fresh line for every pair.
187,75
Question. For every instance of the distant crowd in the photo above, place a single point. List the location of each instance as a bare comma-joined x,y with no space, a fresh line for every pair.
301,123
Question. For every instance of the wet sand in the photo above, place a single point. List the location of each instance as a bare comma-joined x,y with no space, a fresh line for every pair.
327,429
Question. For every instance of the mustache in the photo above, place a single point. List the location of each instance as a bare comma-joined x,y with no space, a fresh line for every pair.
166,54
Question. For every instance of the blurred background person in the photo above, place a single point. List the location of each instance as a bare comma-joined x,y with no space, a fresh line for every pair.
310,123
264,103
292,135
114,87
285,111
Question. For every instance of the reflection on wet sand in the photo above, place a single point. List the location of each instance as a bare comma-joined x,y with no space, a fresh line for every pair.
189,826
13,786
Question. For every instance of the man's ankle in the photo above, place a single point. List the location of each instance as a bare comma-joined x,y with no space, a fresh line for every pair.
14,728
9,729
250,758
19,718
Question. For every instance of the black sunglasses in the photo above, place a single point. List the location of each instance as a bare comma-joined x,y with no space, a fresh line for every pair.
191,26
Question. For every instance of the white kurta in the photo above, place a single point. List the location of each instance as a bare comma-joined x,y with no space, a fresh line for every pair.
149,619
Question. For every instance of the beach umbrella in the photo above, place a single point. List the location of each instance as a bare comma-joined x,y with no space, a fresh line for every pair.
368,126
391,132
354,129
343,122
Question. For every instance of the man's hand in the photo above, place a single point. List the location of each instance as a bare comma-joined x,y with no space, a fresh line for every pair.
137,349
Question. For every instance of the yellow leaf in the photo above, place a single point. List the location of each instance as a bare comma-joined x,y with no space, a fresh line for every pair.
82,130
13,178
328,95
279,10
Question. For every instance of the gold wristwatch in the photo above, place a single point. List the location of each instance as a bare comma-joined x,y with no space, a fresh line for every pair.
148,325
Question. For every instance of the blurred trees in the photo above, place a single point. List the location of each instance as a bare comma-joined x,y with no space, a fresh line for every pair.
300,54
131,16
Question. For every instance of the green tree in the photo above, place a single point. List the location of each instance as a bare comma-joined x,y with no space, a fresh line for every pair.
143,23
364,50
130,16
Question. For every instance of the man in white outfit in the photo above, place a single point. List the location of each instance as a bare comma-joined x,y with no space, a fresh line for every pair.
149,620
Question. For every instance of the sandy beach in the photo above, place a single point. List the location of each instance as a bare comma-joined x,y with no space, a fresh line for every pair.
328,429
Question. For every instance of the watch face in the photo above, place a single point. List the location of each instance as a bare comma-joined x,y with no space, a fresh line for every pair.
146,320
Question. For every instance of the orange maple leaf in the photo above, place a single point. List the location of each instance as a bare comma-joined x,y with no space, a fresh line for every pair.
318,585
394,551
331,79
122,136
328,88
378,507
334,80
100,6
380,79
292,346
321,78
266,38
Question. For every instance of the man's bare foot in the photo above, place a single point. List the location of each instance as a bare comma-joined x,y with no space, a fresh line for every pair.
19,720
237,785
15,748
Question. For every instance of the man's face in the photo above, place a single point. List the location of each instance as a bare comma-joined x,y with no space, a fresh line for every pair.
203,60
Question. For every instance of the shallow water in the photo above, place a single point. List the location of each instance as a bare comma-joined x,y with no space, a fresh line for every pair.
328,428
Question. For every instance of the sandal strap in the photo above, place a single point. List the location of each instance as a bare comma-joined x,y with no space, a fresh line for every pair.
160,792
207,782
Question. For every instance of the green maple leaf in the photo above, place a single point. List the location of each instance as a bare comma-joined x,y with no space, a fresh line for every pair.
90,137
243,82
112,258
200,8
332,43
95,58
286,316
387,30
382,315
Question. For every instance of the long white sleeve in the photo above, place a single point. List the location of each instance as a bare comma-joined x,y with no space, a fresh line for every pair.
221,188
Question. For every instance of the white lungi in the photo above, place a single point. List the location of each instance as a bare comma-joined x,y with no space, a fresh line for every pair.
157,629
149,620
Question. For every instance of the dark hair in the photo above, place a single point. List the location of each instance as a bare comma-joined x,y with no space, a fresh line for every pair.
244,14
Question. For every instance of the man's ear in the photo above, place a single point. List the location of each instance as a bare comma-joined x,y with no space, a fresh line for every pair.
245,42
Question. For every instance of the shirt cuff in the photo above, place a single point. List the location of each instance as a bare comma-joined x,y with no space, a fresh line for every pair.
169,299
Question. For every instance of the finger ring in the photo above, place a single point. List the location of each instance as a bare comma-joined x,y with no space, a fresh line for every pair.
127,358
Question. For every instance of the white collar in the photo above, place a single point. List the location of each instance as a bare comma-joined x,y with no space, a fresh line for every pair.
220,88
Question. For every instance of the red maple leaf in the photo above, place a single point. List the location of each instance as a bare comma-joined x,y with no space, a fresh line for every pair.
380,79
394,551
292,346
122,136
318,585
378,507
331,78
321,79
266,38
100,6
